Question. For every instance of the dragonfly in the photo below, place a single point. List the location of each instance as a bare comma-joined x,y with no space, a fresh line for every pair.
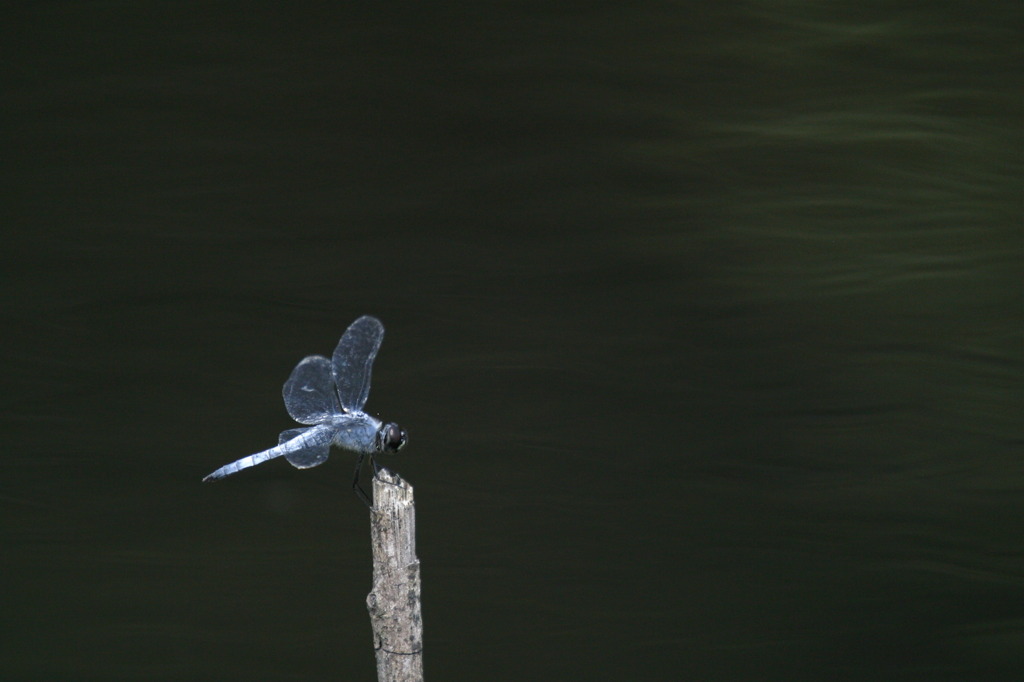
327,396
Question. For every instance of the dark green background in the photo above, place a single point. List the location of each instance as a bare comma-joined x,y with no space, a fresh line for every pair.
704,319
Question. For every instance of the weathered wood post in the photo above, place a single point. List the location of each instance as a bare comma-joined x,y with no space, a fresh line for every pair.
394,601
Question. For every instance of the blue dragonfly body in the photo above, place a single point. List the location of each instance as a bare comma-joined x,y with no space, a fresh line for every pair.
327,396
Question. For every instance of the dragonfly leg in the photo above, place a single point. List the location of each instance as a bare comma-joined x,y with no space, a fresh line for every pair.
360,493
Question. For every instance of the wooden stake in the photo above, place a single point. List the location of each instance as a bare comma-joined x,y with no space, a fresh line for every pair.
394,601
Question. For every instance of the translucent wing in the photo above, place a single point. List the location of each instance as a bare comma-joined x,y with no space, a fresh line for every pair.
311,453
353,361
291,433
309,393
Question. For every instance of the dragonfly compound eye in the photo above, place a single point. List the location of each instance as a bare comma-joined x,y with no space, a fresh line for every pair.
392,438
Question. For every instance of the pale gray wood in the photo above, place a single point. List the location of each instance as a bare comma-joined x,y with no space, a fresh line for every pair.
394,601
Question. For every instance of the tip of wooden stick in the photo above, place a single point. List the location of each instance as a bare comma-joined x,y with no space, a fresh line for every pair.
389,488
388,476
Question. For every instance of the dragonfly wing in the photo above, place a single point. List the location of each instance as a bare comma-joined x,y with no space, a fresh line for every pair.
291,433
311,453
309,393
353,361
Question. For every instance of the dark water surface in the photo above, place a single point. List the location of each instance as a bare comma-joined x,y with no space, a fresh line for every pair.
704,320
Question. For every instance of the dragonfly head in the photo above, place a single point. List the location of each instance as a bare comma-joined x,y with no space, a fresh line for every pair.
391,438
